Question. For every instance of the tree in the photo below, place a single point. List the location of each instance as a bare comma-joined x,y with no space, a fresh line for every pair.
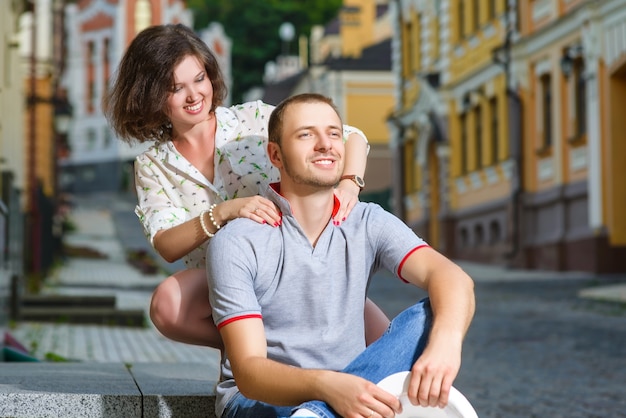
253,27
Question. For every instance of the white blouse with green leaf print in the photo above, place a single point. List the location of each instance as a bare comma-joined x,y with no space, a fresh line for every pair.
171,190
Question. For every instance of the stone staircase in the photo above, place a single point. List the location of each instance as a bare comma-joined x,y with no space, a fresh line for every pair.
96,310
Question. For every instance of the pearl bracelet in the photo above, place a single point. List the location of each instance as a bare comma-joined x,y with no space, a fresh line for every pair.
211,216
203,225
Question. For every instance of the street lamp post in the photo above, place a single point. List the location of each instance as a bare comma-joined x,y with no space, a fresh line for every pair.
286,33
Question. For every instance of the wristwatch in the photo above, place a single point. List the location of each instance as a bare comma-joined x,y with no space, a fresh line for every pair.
358,180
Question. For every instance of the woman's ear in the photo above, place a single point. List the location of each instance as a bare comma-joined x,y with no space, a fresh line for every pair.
273,151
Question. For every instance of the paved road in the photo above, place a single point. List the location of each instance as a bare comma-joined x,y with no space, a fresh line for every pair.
535,349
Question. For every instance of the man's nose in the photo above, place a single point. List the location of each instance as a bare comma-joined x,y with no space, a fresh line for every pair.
324,142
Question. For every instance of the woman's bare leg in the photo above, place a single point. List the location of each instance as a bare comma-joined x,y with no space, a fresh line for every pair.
180,309
376,322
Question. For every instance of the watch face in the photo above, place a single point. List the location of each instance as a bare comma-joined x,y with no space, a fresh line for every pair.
359,181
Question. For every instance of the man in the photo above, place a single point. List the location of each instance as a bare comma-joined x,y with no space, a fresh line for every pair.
288,301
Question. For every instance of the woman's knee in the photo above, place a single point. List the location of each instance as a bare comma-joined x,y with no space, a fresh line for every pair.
165,303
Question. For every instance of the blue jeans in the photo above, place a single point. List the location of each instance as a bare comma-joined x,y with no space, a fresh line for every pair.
395,351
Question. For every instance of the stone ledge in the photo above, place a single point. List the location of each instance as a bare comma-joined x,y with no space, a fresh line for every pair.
108,390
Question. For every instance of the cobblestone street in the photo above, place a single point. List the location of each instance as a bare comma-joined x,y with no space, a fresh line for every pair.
535,349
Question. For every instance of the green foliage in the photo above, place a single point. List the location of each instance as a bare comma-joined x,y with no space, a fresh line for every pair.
55,358
253,27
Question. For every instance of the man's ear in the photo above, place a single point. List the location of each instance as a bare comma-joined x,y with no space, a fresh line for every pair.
273,151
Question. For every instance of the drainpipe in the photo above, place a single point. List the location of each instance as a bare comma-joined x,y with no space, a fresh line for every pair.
514,118
33,209
396,145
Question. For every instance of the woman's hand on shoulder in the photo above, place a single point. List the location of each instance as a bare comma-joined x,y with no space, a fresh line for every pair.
256,208
348,194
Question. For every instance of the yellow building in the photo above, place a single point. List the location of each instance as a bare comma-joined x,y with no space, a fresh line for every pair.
505,130
351,63
450,127
570,63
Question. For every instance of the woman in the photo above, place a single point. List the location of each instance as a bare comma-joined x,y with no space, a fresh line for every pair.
206,167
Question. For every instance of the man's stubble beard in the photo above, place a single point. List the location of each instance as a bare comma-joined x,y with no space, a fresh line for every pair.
311,180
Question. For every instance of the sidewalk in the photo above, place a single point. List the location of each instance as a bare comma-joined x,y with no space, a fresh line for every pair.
104,277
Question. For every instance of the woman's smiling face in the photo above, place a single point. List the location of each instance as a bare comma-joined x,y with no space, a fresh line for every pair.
190,99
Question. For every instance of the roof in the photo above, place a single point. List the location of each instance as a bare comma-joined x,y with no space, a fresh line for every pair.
373,58
276,92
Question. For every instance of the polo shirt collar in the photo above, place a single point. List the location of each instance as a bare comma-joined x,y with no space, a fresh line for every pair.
273,193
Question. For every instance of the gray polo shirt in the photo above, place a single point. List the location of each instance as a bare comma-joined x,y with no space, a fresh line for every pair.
311,299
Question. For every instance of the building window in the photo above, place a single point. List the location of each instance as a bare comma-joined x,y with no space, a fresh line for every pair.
495,127
408,49
461,16
464,238
478,125
479,236
92,138
494,232
410,184
581,97
476,15
491,9
91,74
546,101
105,59
143,15
464,156
415,42
108,137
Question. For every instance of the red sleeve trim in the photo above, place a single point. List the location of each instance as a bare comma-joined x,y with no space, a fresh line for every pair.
406,258
237,318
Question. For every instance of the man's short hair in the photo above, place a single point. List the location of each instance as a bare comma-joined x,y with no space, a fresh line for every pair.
275,125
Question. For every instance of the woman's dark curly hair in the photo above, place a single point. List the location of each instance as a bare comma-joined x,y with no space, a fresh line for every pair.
136,103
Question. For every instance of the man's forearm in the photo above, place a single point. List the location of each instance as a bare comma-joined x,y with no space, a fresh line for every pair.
452,300
278,384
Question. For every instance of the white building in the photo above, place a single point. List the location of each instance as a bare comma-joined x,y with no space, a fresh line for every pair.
98,32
